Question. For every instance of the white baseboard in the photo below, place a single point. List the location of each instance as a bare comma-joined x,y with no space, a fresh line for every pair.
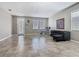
75,41
5,38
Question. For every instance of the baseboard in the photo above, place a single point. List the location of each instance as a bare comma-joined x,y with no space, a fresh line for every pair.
75,41
5,38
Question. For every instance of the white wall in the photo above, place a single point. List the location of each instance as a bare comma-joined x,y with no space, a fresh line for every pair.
51,23
5,24
67,15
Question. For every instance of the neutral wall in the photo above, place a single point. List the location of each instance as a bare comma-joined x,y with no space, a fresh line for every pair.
66,13
29,26
5,24
14,24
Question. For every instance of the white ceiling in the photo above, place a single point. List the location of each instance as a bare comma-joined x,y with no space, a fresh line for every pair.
36,9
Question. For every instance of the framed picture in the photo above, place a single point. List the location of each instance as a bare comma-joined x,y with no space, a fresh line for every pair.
60,23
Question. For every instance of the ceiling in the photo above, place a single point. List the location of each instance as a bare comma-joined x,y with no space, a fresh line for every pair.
34,9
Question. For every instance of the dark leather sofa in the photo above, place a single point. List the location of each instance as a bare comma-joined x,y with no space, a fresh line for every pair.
60,35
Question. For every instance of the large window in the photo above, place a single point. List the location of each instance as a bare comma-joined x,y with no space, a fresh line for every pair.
75,20
20,25
39,24
35,24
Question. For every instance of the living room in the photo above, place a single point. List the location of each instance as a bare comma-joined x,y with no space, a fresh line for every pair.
39,29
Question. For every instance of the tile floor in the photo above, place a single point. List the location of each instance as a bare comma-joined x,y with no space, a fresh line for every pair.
37,46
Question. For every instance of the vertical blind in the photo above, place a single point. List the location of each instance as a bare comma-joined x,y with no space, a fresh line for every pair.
35,24
75,20
39,24
20,25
